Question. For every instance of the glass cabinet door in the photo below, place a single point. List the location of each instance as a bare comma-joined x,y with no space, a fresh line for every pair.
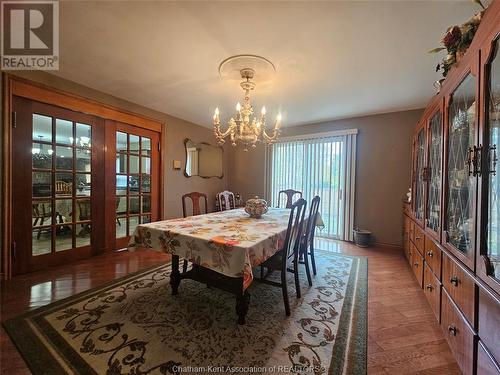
434,173
461,184
491,246
419,178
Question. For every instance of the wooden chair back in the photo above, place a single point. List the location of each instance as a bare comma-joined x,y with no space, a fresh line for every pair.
226,201
294,232
83,209
195,199
42,210
311,221
63,188
289,196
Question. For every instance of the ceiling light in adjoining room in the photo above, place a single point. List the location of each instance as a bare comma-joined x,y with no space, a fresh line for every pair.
245,128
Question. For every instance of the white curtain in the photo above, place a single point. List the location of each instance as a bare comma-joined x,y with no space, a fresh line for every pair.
324,165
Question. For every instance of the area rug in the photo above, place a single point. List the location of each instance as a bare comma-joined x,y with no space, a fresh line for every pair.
135,326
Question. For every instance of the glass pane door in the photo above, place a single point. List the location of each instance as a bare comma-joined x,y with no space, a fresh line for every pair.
419,177
434,173
61,181
460,193
133,182
492,250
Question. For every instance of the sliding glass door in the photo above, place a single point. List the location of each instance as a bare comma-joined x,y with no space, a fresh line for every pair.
319,166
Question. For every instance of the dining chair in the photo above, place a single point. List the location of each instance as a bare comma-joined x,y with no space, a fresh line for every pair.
195,200
196,210
286,259
226,201
307,244
289,196
64,188
84,213
40,212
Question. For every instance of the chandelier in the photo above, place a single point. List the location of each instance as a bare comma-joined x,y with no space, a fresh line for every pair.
244,128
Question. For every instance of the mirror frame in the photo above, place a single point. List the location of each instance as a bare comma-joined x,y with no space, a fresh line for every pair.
186,140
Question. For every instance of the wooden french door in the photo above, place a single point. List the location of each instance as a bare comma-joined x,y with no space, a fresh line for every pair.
134,159
80,184
56,185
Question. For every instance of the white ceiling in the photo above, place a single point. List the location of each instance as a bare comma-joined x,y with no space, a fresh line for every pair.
333,59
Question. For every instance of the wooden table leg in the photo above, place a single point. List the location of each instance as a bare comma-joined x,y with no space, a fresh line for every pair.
175,275
242,303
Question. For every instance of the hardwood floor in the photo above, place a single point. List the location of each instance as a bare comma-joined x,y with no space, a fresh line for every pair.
403,335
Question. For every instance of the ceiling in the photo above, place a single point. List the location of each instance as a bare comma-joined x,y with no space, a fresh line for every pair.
333,59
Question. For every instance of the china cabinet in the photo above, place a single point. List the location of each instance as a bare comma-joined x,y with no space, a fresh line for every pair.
451,231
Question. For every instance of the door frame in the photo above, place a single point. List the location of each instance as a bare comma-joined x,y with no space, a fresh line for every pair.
17,86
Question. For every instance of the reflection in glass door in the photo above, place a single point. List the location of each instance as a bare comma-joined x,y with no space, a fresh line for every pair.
135,173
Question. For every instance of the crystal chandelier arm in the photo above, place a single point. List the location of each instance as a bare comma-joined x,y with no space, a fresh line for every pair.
276,131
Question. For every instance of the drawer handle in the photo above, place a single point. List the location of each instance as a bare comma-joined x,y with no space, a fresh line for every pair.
415,264
417,238
454,280
429,287
452,329
430,254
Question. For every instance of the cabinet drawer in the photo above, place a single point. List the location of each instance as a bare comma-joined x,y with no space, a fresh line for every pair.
460,287
458,334
489,322
485,363
432,255
418,239
432,290
417,265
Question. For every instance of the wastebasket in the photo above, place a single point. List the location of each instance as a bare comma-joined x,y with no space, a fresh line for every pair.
362,238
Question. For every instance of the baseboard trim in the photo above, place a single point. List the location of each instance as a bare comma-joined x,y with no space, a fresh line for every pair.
388,245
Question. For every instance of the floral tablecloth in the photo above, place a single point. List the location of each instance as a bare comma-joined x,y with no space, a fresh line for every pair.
229,242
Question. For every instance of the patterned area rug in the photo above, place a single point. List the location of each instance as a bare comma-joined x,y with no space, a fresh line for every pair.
135,326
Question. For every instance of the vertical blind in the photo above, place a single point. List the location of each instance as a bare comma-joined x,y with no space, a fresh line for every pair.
320,165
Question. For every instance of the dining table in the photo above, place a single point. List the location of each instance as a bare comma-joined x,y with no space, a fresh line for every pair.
223,247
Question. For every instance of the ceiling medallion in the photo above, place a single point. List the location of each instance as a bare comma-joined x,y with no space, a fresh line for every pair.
245,128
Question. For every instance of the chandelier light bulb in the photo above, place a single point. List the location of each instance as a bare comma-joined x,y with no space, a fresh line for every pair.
263,111
217,111
278,118
238,106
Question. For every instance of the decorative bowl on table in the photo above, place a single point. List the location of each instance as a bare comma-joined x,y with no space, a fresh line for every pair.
256,207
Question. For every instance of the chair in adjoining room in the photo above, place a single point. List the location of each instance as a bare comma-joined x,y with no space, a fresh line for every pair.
40,212
226,201
287,259
307,243
84,213
289,196
196,210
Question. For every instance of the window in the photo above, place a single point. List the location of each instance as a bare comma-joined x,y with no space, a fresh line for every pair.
321,165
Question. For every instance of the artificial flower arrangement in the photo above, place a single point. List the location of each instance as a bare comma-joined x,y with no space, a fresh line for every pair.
457,40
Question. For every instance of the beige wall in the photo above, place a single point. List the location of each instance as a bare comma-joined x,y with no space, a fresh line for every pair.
383,160
382,175
176,130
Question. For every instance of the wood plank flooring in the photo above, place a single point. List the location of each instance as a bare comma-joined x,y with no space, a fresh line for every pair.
403,334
